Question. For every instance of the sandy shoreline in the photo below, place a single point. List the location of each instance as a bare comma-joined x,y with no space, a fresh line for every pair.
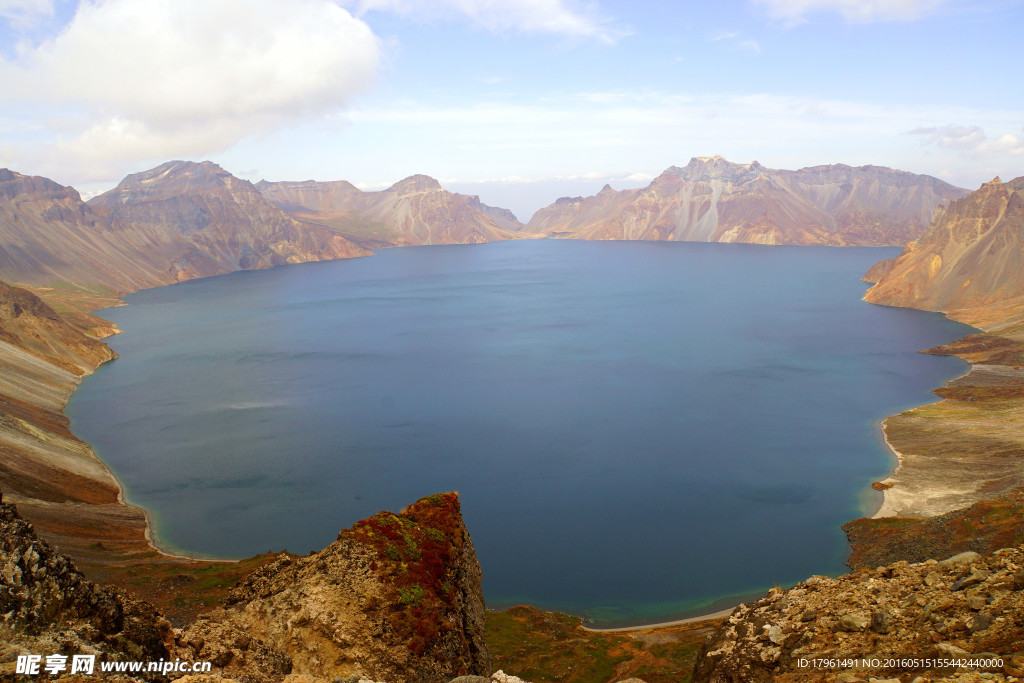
888,506
722,614
899,499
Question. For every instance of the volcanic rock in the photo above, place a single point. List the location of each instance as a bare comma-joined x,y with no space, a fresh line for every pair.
912,621
968,264
395,598
416,210
714,200
48,607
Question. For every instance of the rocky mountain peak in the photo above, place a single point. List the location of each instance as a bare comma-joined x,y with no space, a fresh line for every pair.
969,259
568,200
717,167
13,184
712,199
416,183
171,179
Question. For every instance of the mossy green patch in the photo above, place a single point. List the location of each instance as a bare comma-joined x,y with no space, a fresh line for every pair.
545,647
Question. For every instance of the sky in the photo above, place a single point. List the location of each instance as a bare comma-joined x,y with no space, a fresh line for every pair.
519,101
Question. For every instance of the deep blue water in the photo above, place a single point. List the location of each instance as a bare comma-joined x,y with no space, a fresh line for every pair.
636,429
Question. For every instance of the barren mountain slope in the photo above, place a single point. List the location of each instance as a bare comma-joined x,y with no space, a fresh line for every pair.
970,263
50,237
969,447
205,221
416,210
714,200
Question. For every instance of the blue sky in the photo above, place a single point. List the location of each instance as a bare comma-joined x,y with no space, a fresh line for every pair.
520,101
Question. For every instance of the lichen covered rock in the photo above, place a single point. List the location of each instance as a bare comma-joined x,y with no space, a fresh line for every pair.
48,608
396,598
900,620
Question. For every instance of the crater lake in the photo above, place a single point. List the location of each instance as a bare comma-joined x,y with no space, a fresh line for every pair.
639,431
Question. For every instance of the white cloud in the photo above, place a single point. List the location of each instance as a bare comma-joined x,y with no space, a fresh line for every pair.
736,40
970,140
529,16
795,11
141,79
24,13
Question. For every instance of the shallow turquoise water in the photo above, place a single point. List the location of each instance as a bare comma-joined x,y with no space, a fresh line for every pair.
636,429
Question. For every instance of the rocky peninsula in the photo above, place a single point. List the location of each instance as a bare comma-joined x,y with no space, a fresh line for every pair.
968,447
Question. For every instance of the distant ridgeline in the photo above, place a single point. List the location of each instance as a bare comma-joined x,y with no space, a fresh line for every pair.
713,200
183,220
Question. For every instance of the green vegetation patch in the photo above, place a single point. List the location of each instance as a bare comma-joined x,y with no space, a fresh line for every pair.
416,555
550,647
179,589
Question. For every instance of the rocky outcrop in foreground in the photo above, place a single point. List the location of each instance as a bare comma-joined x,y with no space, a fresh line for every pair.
396,598
939,620
47,607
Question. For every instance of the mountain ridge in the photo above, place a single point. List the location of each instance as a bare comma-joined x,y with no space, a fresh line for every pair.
969,262
413,211
715,200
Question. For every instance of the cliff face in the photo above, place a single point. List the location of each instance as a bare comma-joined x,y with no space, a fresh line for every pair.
49,236
48,607
205,221
395,598
412,211
30,324
714,200
968,264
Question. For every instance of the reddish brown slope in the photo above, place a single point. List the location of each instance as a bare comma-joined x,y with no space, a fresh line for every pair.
969,264
28,323
49,236
56,480
416,210
205,221
714,200
969,446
